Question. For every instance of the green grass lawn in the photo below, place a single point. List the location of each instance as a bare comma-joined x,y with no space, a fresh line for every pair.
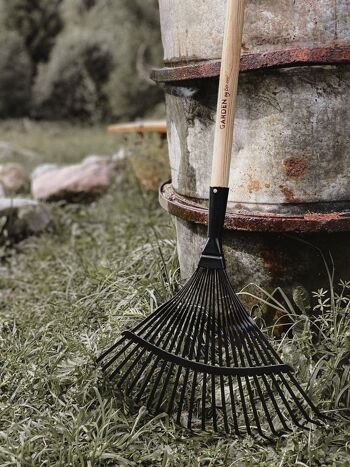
64,297
61,142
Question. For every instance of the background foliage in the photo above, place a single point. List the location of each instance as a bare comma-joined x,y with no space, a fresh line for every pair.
78,58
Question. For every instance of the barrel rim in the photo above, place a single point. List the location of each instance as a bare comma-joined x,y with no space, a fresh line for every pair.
286,58
190,210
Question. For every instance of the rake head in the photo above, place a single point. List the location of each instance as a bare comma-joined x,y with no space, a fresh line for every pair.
201,358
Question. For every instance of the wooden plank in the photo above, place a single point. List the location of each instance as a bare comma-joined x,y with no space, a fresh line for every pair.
148,126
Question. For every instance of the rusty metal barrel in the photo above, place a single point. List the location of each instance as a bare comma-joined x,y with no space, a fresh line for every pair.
193,29
289,184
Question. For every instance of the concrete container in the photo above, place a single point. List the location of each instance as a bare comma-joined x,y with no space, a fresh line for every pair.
192,30
289,184
291,144
270,250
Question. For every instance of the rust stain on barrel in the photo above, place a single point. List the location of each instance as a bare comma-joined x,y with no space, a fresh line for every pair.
332,216
272,262
289,195
254,186
295,167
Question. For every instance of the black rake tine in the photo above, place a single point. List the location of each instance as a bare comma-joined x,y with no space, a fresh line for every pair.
175,322
109,350
182,396
206,359
177,319
172,398
297,401
197,357
146,381
166,382
268,388
305,396
257,385
247,380
177,379
140,327
193,393
160,374
268,346
228,362
262,337
116,356
155,384
130,368
221,361
150,333
183,324
235,360
212,340
273,378
196,321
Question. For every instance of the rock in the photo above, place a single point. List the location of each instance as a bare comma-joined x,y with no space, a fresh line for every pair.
117,160
34,221
24,218
95,159
74,182
12,177
8,150
121,156
8,205
41,169
28,222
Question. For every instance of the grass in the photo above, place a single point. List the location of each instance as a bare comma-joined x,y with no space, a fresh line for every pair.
56,142
65,296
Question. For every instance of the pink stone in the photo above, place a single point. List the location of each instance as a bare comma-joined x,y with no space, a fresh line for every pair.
70,181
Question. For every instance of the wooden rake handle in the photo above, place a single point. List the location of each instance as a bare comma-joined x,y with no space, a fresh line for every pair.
230,67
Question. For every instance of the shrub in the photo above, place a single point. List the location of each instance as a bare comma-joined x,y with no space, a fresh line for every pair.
15,75
38,22
91,59
72,83
133,28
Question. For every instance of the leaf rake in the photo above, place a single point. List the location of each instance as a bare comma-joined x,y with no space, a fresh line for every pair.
200,357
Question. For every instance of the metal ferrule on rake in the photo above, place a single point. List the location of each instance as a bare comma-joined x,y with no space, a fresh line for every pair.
212,256
200,357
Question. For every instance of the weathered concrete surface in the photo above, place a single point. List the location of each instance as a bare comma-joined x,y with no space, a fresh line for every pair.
193,29
291,143
269,259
